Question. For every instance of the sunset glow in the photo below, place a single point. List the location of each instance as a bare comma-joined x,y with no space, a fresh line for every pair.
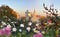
23,5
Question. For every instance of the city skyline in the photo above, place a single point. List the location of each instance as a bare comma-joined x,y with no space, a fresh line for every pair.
23,5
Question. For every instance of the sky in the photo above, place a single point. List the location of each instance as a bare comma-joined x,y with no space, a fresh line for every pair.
23,5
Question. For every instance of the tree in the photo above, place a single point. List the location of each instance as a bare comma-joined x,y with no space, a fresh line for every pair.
7,11
52,16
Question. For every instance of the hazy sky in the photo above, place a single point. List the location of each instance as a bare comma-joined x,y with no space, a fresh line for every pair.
23,5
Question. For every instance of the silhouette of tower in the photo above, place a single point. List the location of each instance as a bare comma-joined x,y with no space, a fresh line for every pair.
27,16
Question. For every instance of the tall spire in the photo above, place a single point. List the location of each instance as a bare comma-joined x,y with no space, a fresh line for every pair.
34,13
34,10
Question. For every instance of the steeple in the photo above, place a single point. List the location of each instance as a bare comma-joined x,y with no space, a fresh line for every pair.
34,13
34,10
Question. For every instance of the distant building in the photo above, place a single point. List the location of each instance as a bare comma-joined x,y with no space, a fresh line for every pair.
28,15
36,17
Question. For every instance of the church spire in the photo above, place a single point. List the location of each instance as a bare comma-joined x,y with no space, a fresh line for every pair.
34,10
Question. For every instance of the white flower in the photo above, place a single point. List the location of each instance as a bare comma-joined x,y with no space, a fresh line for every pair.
21,25
36,31
5,17
45,23
30,23
12,22
9,19
2,26
20,30
15,22
14,29
28,28
3,23
37,24
59,28
43,32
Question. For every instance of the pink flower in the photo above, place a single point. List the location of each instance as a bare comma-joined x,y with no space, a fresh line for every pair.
38,35
49,21
1,32
7,30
